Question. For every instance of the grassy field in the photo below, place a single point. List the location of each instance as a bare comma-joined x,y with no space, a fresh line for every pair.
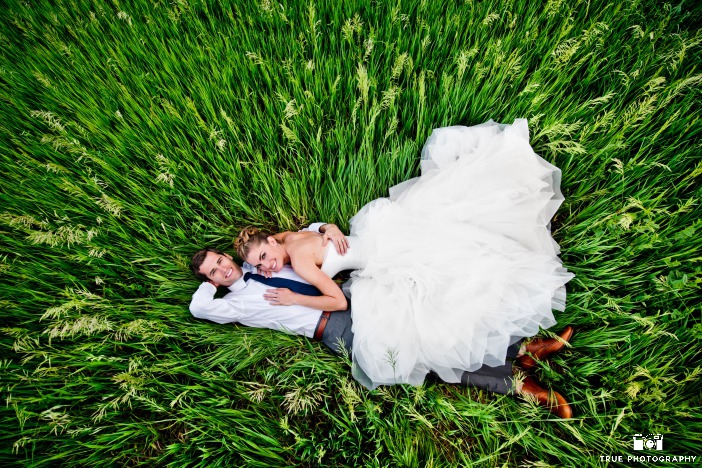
134,132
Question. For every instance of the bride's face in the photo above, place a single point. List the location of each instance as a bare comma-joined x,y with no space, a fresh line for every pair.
267,256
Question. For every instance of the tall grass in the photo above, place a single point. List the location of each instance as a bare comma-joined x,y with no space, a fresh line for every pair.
132,133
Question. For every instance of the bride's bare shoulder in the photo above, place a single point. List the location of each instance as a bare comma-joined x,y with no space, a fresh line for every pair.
301,237
304,243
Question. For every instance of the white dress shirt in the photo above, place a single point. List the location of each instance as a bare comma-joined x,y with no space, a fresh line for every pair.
244,303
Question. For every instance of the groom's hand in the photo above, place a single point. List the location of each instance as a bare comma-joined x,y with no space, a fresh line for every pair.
280,296
330,232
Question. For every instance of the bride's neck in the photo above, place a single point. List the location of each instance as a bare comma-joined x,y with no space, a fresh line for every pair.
280,238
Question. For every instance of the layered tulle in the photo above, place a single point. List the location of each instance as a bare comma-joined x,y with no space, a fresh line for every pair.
458,263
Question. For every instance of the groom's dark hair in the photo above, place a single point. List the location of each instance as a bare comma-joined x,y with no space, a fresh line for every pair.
198,258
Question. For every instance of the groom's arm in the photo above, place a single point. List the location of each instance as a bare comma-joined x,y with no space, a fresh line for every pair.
322,228
318,227
330,232
204,305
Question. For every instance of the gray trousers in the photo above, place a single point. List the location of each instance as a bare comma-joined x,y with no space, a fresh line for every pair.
496,379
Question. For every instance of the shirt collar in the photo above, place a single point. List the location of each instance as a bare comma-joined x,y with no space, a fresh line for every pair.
238,285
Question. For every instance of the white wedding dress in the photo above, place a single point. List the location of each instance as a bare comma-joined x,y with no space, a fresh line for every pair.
458,263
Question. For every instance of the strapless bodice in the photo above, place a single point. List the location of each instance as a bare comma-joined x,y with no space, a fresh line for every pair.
353,260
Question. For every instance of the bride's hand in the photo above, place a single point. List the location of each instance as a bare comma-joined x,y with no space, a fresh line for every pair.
267,274
280,296
333,233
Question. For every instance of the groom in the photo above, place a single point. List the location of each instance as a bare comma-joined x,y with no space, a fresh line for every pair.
254,300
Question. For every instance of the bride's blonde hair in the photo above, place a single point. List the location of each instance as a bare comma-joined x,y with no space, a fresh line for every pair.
249,237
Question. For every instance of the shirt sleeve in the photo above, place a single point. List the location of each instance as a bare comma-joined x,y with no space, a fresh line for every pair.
205,306
314,227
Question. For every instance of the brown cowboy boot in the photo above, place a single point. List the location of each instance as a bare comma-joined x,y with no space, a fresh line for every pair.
552,400
541,348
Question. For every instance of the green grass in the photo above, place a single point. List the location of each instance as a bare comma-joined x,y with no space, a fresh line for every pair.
132,133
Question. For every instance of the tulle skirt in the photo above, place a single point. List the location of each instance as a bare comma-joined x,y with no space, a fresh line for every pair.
457,264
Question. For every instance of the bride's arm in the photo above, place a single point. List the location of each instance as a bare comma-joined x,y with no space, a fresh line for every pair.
304,257
332,299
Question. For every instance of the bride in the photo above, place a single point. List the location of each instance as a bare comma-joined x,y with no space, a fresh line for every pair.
474,269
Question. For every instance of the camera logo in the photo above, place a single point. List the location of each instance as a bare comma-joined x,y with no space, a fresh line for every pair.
648,441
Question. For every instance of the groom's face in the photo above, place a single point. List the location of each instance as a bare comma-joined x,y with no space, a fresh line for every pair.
220,269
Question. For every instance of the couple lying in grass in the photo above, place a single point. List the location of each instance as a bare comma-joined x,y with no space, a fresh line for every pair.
449,274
